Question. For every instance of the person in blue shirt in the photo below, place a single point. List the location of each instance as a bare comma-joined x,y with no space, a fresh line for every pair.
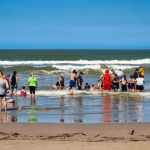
80,81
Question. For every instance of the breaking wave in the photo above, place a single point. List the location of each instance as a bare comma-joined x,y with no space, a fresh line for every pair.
79,62
85,93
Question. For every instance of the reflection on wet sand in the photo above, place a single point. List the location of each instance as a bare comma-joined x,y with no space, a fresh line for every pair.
32,111
7,117
122,108
75,105
107,108
104,108
62,110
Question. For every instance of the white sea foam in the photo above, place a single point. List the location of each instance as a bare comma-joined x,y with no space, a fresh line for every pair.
94,67
84,92
78,62
70,67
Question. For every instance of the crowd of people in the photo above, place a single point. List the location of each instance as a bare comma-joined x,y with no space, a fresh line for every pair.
8,87
116,81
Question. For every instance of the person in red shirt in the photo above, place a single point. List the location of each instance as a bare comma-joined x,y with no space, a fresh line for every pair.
107,78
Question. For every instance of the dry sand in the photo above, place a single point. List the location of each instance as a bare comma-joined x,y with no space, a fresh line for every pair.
38,136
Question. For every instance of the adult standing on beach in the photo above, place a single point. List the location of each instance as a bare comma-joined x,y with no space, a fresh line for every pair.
3,92
107,78
141,71
13,83
32,84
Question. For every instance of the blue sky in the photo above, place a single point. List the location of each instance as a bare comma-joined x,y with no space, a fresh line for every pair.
74,24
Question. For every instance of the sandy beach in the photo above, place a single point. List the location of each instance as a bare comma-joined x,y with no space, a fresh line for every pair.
23,136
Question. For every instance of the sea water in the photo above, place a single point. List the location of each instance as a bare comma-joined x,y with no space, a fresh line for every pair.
84,107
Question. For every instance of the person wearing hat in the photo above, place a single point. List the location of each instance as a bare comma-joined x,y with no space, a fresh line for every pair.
113,72
80,80
106,78
13,83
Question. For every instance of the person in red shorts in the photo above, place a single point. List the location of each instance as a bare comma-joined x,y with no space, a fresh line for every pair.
107,78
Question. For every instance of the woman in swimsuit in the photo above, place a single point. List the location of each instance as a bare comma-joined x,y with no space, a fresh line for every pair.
13,83
131,85
124,84
60,83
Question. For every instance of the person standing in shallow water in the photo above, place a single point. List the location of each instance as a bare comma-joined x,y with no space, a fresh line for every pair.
32,84
124,84
3,92
72,79
107,78
13,83
141,71
113,72
131,85
80,81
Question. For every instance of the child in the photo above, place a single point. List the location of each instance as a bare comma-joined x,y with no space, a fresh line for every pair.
23,91
93,88
87,86
99,85
71,90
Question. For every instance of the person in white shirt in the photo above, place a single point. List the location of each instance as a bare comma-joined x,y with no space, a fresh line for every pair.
140,84
120,74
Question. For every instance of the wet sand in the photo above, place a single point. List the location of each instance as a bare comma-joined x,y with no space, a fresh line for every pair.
17,136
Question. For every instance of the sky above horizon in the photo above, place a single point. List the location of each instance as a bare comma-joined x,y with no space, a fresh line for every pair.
74,24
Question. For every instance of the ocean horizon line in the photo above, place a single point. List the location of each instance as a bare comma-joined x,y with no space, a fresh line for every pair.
73,49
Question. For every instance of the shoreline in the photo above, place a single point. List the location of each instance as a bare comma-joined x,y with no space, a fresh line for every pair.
75,136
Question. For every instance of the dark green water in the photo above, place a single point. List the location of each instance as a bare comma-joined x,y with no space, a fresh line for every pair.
56,54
